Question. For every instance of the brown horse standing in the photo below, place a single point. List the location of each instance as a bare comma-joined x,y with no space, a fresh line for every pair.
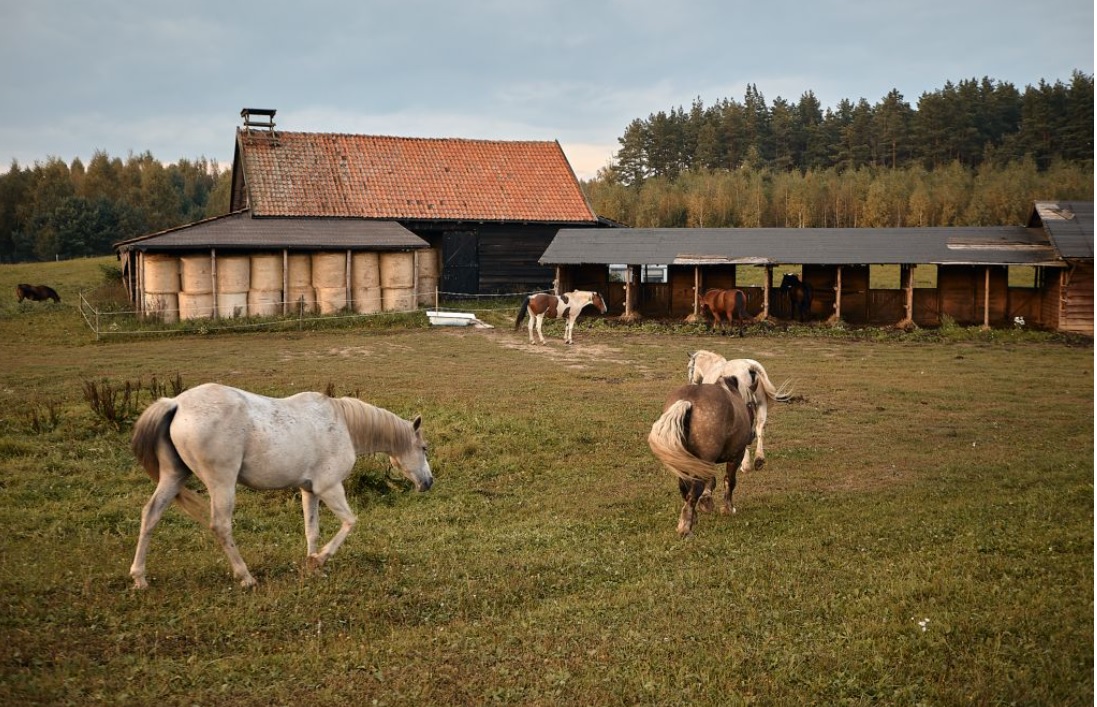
702,426
36,293
725,305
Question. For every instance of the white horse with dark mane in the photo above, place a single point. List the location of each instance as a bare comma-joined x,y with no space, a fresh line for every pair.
226,436
566,306
754,384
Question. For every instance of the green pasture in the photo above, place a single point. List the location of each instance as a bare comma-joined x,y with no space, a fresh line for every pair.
922,533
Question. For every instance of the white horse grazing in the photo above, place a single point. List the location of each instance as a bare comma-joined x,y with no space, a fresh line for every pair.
754,384
226,436
567,305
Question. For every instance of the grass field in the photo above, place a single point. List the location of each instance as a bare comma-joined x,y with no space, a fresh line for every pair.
922,532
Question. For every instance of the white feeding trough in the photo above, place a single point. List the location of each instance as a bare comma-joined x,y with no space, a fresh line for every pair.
455,319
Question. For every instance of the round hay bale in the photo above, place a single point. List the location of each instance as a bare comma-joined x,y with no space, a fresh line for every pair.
300,270
398,299
397,270
329,270
195,306
232,304
428,288
162,305
264,303
428,263
365,270
161,274
196,274
367,300
301,300
266,272
233,273
331,299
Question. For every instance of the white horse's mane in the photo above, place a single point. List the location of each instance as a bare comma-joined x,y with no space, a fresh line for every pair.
374,429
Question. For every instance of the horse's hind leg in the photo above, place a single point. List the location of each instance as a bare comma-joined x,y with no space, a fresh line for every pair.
166,489
760,416
704,503
691,493
222,502
731,468
335,498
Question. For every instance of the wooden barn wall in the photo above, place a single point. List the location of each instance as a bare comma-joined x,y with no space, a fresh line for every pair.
823,279
508,258
1076,295
507,253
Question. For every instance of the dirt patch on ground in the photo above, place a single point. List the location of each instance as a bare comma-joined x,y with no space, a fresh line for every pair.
578,356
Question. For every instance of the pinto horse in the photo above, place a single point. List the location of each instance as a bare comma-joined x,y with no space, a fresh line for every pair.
754,384
798,295
567,305
36,293
702,426
226,436
725,307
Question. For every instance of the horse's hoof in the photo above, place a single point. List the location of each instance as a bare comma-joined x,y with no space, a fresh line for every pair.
759,463
139,583
248,582
705,504
728,510
315,562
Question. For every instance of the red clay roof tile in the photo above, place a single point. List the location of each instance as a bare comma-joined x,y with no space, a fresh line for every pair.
365,176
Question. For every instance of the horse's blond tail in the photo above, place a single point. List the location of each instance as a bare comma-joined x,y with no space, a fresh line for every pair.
148,432
666,440
773,393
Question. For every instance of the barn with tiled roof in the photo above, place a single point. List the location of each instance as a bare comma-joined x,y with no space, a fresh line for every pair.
489,208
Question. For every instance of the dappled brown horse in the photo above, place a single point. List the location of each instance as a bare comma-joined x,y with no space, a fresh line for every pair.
36,293
566,306
702,426
724,305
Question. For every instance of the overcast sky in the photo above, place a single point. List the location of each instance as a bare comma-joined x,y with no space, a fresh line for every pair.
121,76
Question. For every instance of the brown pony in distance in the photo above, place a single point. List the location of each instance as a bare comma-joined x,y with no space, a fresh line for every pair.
702,426
725,306
566,306
36,293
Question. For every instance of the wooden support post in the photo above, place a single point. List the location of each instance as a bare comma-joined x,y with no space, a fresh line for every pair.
766,289
837,316
285,281
213,279
986,298
696,291
907,283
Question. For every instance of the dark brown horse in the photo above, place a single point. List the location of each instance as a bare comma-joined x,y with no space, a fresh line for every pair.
36,293
566,306
725,306
798,295
702,426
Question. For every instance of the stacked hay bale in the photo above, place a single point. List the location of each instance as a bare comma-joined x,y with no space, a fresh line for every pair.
329,278
233,284
428,276
300,294
265,289
196,296
366,282
397,282
161,287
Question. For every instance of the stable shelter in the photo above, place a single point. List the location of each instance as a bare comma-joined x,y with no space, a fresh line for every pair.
972,270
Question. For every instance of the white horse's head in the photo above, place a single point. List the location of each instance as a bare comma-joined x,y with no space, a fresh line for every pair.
412,461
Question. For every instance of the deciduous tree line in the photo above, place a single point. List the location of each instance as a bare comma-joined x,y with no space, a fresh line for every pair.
58,210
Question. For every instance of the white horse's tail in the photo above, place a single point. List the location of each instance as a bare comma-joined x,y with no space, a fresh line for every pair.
149,432
667,442
773,393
